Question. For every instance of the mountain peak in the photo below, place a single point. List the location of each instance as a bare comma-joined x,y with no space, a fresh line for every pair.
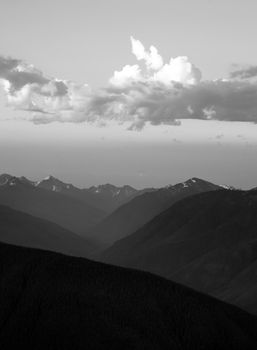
51,178
196,180
10,180
52,183
4,178
109,189
227,187
192,182
188,183
48,177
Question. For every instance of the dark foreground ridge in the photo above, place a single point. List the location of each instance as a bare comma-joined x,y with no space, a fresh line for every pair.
52,301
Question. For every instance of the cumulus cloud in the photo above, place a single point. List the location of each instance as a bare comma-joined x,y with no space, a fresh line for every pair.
128,74
179,69
27,88
155,93
152,58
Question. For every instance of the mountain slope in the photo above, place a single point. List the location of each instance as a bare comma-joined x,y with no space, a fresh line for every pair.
109,197
51,301
105,197
204,241
71,213
137,212
25,230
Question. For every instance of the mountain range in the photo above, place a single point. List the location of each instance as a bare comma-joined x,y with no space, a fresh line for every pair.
81,210
105,197
196,233
66,211
141,209
52,301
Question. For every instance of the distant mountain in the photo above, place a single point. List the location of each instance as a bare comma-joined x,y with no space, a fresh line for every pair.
113,190
104,197
51,301
207,241
109,197
10,180
67,211
138,211
25,230
53,184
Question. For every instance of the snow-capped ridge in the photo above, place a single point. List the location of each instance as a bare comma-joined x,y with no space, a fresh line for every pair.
52,183
227,187
10,180
112,190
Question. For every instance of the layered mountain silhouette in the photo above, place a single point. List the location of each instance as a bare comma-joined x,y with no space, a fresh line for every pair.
109,197
69,212
22,229
207,241
104,197
138,211
52,301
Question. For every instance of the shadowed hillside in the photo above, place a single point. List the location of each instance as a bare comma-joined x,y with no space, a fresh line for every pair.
51,301
207,241
23,229
137,212
66,211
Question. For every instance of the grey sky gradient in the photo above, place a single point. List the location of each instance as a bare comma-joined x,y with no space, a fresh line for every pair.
85,42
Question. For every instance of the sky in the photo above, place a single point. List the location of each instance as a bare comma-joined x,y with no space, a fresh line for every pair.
145,93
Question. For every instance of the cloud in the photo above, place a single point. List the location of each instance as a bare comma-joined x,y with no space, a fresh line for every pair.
179,69
152,58
155,103
155,93
28,89
126,76
244,73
